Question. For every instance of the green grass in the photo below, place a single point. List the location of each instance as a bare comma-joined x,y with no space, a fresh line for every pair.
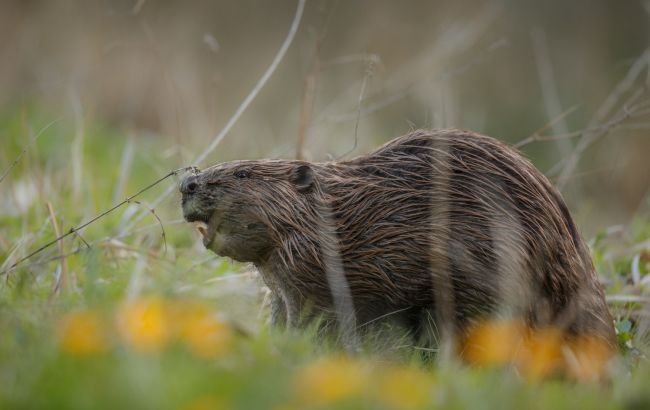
257,368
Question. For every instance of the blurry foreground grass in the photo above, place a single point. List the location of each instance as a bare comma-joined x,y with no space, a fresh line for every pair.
120,318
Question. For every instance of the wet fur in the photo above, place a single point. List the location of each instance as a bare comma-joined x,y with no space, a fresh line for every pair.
445,224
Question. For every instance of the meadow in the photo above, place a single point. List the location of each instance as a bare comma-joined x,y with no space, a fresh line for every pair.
104,105
120,316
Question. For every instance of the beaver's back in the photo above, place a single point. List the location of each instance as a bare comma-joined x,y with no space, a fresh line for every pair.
457,223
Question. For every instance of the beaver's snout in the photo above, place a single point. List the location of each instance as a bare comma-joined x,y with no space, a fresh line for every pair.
189,185
193,209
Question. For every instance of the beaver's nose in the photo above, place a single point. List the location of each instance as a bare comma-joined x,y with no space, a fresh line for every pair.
189,184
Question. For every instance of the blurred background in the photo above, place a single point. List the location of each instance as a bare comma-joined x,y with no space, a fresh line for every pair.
573,72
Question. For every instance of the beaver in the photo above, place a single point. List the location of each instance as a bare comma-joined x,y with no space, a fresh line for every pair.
437,228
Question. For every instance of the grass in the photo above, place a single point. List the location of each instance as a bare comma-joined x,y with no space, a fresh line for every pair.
137,324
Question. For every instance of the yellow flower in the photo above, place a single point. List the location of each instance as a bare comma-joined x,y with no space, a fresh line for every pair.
82,334
330,380
204,334
143,324
285,407
588,359
537,353
494,343
404,388
542,354
206,403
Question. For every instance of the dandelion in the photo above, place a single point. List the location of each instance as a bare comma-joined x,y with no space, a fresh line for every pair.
204,334
537,353
206,403
588,358
143,324
494,343
542,354
330,380
285,407
405,388
81,333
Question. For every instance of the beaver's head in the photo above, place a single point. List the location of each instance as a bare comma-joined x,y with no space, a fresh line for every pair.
240,206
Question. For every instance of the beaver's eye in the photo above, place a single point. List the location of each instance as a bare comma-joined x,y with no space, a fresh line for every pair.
242,173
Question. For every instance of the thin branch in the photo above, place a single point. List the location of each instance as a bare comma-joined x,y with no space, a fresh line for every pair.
162,228
81,238
103,214
614,123
88,246
595,132
260,84
240,110
577,175
535,137
105,243
608,105
362,93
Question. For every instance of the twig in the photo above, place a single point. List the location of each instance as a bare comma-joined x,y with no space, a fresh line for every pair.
260,84
614,123
240,110
590,172
33,140
82,226
61,281
596,132
612,100
535,137
162,228
106,242
81,237
369,71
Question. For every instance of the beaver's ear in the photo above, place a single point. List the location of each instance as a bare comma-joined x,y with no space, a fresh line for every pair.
302,176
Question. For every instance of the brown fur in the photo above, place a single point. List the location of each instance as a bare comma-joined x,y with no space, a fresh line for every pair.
447,223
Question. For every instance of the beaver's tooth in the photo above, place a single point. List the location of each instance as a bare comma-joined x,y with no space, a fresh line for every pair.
202,227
